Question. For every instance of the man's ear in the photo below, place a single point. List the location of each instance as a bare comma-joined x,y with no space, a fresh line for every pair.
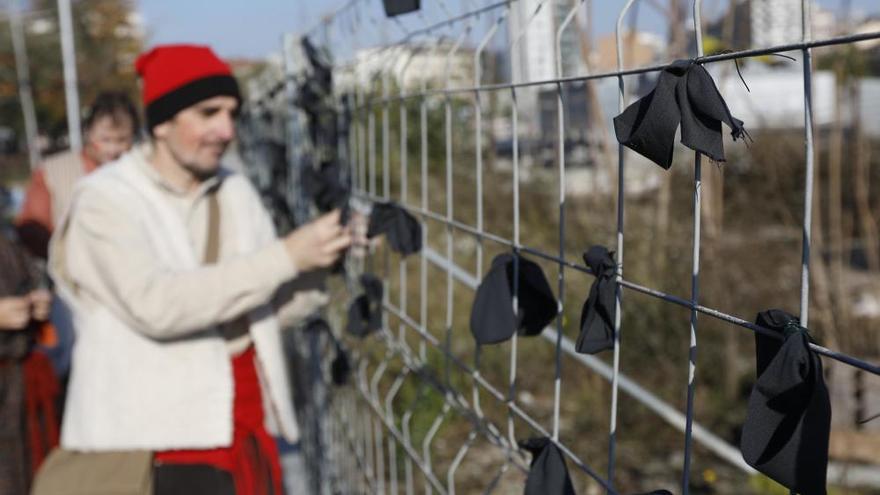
161,131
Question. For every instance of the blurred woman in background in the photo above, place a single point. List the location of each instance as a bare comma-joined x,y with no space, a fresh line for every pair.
28,427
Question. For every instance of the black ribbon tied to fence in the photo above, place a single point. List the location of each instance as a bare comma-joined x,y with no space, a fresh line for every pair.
365,312
324,186
785,435
597,314
397,7
492,317
548,473
685,94
403,231
340,367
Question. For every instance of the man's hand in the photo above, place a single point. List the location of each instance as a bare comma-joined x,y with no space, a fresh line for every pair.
319,243
41,301
15,312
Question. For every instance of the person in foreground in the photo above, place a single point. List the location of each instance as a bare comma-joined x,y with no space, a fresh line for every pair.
178,286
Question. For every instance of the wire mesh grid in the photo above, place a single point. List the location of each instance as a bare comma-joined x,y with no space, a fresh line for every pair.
416,370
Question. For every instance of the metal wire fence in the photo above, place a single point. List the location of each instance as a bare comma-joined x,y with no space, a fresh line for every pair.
418,388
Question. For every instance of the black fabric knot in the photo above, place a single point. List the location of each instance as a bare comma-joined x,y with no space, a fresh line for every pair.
365,312
321,63
492,316
403,231
340,367
548,473
326,189
685,94
597,314
793,327
785,435
324,186
398,7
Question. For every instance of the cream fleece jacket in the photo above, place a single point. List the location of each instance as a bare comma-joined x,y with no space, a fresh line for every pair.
150,369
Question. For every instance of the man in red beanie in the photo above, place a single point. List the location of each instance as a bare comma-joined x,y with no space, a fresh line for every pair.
179,288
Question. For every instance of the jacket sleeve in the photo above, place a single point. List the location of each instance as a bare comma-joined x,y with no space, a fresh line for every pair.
109,259
299,297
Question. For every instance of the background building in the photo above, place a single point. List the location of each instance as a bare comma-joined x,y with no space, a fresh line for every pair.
775,22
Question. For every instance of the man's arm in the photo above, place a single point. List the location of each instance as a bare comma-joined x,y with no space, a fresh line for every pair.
300,297
34,222
109,257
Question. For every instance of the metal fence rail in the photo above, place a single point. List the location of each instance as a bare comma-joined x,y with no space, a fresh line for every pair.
369,445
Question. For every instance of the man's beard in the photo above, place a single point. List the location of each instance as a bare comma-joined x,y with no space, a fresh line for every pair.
200,174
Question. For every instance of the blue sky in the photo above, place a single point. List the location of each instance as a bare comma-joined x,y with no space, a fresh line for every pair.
253,28
250,28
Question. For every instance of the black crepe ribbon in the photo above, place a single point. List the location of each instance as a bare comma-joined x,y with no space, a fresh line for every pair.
324,187
319,59
492,316
685,94
340,367
548,473
785,435
398,7
403,231
365,312
597,314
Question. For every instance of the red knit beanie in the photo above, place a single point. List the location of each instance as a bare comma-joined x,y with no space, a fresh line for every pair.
178,76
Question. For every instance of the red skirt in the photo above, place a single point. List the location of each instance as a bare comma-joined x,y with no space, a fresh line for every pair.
252,459
40,391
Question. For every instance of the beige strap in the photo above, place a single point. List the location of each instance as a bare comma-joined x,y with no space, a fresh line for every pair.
238,328
212,243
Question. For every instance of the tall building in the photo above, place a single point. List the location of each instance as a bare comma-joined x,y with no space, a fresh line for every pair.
570,44
775,22
535,57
